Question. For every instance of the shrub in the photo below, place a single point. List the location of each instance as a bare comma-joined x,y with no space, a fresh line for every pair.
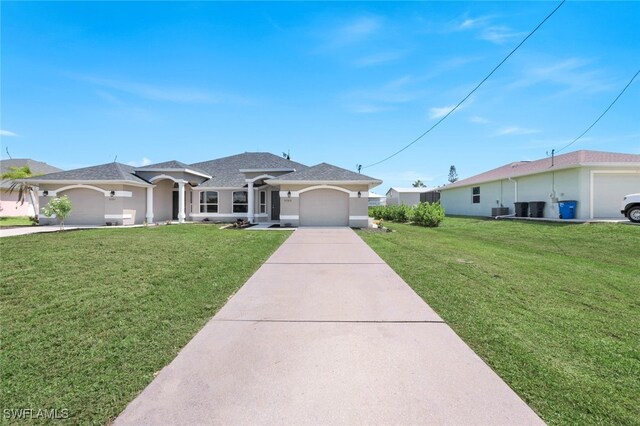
428,214
60,207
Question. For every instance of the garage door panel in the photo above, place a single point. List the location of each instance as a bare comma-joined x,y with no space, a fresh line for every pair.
87,207
324,207
608,191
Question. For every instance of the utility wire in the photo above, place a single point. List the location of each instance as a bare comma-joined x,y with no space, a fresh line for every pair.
601,115
470,93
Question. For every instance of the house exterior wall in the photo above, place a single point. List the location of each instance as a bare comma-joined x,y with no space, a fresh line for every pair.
408,198
134,209
10,206
163,200
608,184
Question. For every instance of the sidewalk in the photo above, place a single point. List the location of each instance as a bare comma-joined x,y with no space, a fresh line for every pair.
325,332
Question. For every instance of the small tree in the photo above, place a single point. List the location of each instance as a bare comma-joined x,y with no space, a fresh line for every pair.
59,206
419,184
453,174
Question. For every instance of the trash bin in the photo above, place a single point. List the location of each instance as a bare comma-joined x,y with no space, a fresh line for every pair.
536,208
522,209
567,209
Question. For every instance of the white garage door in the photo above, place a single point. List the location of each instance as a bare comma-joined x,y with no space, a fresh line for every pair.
608,190
324,207
87,207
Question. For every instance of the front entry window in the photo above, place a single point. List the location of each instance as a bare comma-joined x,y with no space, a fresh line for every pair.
263,202
240,202
209,202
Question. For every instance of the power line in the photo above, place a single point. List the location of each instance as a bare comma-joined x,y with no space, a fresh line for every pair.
601,115
471,92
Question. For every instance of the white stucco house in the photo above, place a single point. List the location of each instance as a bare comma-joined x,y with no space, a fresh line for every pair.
596,180
253,186
9,203
407,196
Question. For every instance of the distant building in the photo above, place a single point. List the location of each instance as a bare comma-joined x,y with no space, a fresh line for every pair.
377,199
407,196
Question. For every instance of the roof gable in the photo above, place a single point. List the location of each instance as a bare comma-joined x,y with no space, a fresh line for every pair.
104,172
226,172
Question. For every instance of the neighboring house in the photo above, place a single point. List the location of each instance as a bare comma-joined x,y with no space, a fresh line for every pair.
255,186
377,200
407,196
9,203
596,180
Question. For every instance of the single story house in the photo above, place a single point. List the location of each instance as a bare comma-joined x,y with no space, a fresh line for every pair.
9,203
377,200
596,180
407,196
253,186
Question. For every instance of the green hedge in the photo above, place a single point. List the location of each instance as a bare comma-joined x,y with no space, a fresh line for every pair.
425,214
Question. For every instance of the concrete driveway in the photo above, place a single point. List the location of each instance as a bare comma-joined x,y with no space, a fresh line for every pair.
325,332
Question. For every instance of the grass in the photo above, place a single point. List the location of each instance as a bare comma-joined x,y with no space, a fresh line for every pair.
14,221
554,309
88,317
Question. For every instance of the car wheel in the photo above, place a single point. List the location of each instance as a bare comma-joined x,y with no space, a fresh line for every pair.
634,214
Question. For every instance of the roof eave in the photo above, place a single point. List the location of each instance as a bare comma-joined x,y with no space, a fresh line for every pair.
87,182
374,182
169,170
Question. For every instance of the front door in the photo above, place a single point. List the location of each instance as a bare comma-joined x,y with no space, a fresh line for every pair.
175,205
275,205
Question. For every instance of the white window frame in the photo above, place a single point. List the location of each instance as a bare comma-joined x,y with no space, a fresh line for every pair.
234,204
475,200
203,197
262,206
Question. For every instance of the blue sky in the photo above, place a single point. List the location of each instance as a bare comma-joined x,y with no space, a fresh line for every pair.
344,83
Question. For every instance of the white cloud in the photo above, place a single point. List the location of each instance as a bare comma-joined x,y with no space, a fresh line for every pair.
572,73
439,112
383,98
379,58
8,134
499,34
144,162
515,131
476,119
367,108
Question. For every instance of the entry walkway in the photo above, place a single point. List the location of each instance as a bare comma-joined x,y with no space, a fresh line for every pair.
325,332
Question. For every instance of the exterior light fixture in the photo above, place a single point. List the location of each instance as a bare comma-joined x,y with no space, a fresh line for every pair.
112,194
288,194
45,193
359,194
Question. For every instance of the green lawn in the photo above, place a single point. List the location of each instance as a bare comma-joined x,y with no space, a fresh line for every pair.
554,309
88,317
14,221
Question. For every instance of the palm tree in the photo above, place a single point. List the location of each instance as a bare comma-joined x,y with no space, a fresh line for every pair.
419,184
17,175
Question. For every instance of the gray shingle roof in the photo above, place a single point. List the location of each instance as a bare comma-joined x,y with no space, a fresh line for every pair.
563,161
173,164
36,167
226,171
324,172
110,171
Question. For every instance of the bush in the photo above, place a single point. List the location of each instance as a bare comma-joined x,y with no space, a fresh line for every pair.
392,213
427,214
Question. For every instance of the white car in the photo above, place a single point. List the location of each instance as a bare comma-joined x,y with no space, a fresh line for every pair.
631,207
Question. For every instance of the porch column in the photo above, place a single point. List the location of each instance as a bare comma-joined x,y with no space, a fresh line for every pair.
250,215
181,214
149,215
